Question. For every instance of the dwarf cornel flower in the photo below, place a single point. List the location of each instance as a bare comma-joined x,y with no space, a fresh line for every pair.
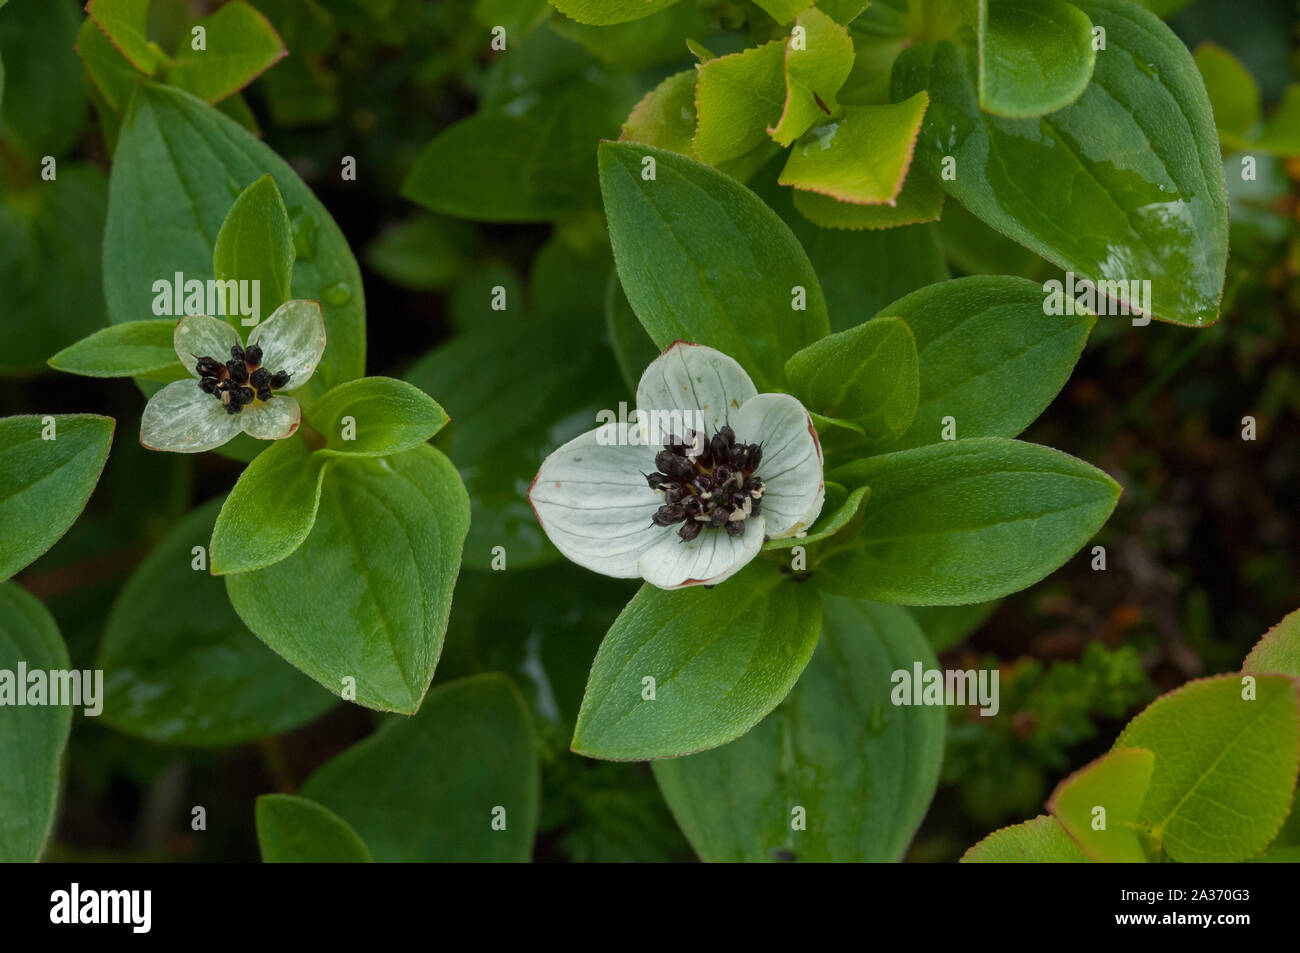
688,506
239,393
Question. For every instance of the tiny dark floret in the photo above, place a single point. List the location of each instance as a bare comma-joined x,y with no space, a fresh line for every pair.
707,484
239,381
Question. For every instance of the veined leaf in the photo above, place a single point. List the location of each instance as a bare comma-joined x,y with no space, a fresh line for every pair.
1099,804
737,98
1040,841
295,830
240,45
137,349
1036,56
606,12
815,69
375,417
255,243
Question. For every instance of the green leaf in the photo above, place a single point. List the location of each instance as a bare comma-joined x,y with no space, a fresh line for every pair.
48,468
1233,92
1225,765
638,44
737,97
720,659
867,375
606,12
271,509
1039,841
180,668
366,595
841,508
920,201
702,259
1115,783
1279,649
126,24
374,417
1036,56
632,347
784,11
665,116
295,830
1281,134
862,770
988,355
44,104
241,44
862,158
110,71
814,73
138,349
949,626
430,787
966,521
1148,206
179,166
255,243
32,737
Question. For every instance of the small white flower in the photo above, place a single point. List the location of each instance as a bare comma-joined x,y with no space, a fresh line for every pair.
697,509
236,390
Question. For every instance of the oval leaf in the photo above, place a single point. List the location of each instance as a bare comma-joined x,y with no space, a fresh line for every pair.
256,244
375,416
1110,791
136,349
1040,841
1036,56
295,830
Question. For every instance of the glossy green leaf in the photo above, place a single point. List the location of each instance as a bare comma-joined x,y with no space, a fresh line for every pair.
375,416
1036,56
271,509
49,466
966,521
815,69
295,830
702,259
179,167
862,770
126,24
988,355
180,668
867,375
720,660
1233,92
1099,805
365,597
255,243
32,737
240,45
737,97
862,158
920,201
430,788
1226,763
137,349
1279,649
1137,151
605,12
1040,841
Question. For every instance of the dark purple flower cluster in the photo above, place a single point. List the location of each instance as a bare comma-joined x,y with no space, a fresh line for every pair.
239,380
707,484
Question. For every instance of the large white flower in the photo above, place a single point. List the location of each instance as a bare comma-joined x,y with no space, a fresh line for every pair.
680,508
238,389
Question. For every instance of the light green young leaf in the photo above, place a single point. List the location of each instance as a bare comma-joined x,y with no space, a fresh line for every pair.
1115,785
1281,134
138,349
703,259
606,12
255,243
110,71
48,468
375,417
863,770
1226,764
989,357
920,201
1279,649
966,521
430,788
863,158
179,166
194,676
1039,841
720,660
126,24
1036,56
784,11
737,97
32,737
815,69
1233,92
1154,209
295,830
271,509
367,594
665,116
240,45
867,375
842,508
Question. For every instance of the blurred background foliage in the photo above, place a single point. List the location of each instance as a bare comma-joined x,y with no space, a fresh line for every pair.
1201,553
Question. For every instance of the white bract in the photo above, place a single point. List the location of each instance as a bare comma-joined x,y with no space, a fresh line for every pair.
693,511
184,417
